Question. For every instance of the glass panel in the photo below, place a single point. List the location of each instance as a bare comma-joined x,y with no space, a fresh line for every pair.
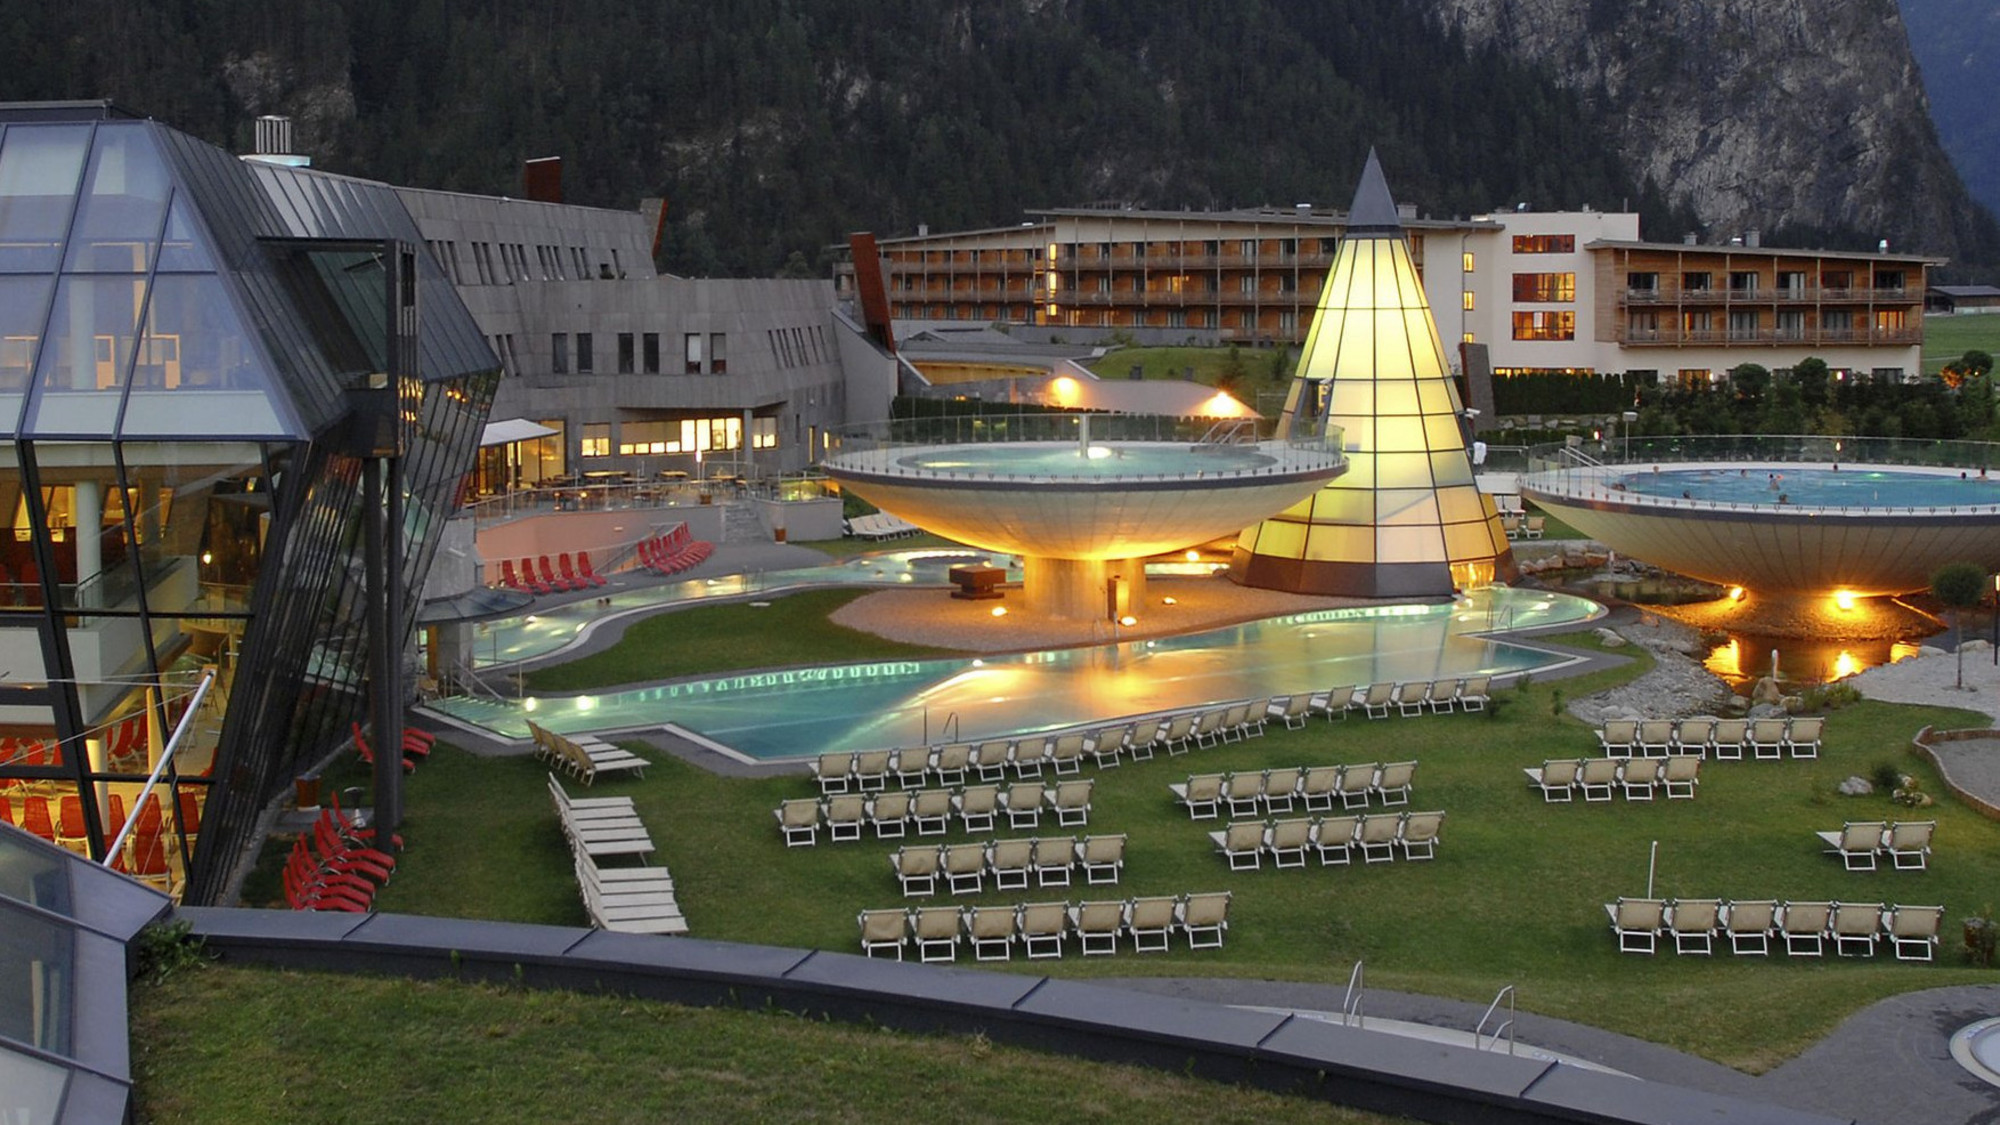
199,372
1399,433
33,876
80,374
1284,540
183,250
1344,543
24,306
39,171
1407,506
118,214
31,1089
37,979
1411,544
1468,540
1396,396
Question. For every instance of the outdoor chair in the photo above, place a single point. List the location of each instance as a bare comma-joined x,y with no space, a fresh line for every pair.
1101,857
1281,789
1106,744
890,814
1727,739
1419,835
1556,778
1857,926
1409,698
1913,931
1288,840
1244,792
1012,863
845,816
1474,693
1175,733
1656,738
1375,703
916,869
1242,844
1356,783
1200,794
964,868
1150,922
936,930
871,771
1857,843
977,805
1392,782
1534,527
910,764
1802,735
1691,736
798,819
1681,775
834,772
991,930
1767,738
1203,918
1022,803
1618,737
1640,776
1208,727
1028,757
1804,927
1377,836
1909,843
1054,857
1334,703
989,760
1071,801
1043,926
1097,925
1293,710
951,762
1598,777
1333,838
1693,922
930,811
1442,696
884,930
1750,925
1638,923
1317,787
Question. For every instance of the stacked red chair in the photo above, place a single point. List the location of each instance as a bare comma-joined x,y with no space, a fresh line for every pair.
578,578
590,572
551,579
673,552
511,580
367,752
534,583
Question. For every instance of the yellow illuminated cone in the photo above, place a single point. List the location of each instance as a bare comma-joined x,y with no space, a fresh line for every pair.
1406,518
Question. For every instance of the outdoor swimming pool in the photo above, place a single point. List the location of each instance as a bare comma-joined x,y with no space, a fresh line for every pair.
1046,460
1803,486
798,713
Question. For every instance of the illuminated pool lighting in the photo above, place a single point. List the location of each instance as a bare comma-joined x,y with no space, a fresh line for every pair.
1845,665
1169,601
1844,599
1193,556
1736,593
999,611
1128,621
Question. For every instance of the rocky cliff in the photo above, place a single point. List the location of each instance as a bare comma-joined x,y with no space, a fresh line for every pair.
1800,115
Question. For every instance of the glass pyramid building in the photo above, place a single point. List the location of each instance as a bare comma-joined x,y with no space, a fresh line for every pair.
1406,519
182,336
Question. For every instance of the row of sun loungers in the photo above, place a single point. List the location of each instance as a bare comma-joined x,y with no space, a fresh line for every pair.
1518,526
1377,836
580,576
672,551
1598,779
978,808
636,900
1246,793
1855,928
1043,928
880,525
333,867
1049,861
1704,735
1859,843
585,758
1408,698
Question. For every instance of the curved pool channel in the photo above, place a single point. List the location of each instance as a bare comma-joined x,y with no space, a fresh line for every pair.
798,713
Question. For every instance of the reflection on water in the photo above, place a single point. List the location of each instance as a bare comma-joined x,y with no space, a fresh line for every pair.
1747,657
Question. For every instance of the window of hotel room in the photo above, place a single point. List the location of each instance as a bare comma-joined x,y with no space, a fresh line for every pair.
1549,325
649,353
1544,244
1547,287
1698,281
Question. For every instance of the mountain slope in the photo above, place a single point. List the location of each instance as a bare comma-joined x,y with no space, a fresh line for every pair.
1957,43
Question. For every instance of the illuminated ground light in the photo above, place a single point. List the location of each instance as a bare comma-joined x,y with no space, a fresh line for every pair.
1128,621
999,611
1193,556
1845,665
1169,601
1844,600
1736,593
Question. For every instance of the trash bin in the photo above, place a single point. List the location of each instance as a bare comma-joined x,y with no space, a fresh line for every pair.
306,791
779,534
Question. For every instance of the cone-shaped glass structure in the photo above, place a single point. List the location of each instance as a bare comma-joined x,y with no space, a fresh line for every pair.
1406,519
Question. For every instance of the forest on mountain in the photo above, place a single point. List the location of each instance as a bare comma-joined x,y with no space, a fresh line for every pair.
774,127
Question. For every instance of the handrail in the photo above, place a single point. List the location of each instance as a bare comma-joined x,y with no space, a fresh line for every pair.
1350,1004
166,756
1505,1027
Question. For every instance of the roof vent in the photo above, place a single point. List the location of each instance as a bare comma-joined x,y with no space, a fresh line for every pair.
1753,238
1690,239
273,143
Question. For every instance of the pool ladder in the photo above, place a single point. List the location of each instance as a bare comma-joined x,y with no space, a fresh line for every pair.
1350,1004
1504,1027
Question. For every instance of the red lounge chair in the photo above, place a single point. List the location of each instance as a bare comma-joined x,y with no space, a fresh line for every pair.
308,887
35,818
588,571
509,579
528,576
549,576
7,812
368,755
190,805
568,571
364,837
149,862
335,854
69,823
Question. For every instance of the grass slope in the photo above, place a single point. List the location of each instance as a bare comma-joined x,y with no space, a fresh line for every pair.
1946,338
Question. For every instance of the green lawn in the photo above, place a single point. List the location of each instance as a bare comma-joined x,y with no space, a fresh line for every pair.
1948,337
1515,896
1209,365
720,638
247,1044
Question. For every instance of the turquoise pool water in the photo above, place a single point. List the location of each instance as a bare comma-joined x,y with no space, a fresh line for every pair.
1798,486
1065,459
799,713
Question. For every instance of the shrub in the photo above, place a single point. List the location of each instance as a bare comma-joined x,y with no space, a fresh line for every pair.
1886,777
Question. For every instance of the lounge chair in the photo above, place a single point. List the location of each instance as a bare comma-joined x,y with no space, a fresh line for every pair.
1334,703
1150,921
1012,863
976,806
1101,857
911,765
1333,836
1281,789
1619,737
1288,840
1043,925
991,929
1242,844
890,814
1802,735
1474,693
1767,738
1203,918
1556,778
835,772
1442,696
1318,786
1377,700
1534,527
916,869
1106,744
1377,836
951,762
936,930
1680,777
1392,782
1691,735
1176,733
871,771
1200,794
1510,525
1140,738
1693,922
1804,926
1071,801
1638,923
1726,741
1410,697
1856,927
1054,856
884,929
1244,720
1640,776
1750,926
1356,783
1857,843
1293,710
1913,931
1656,738
1022,803
1028,756
845,816
964,868
1097,925
930,811
798,819
1598,777
1244,791
989,760
1208,727
1419,835
1909,843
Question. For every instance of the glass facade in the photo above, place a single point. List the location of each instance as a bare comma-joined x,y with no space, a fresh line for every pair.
180,333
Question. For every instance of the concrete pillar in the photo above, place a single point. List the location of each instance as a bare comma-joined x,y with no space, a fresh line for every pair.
1080,589
88,511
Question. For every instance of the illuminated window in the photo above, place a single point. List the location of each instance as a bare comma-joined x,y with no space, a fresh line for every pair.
597,439
1468,338
1544,287
1888,320
1467,299
763,433
1545,325
1467,256
1544,244
1696,325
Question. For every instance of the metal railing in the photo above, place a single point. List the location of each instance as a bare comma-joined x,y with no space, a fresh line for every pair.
1504,1027
1350,1003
